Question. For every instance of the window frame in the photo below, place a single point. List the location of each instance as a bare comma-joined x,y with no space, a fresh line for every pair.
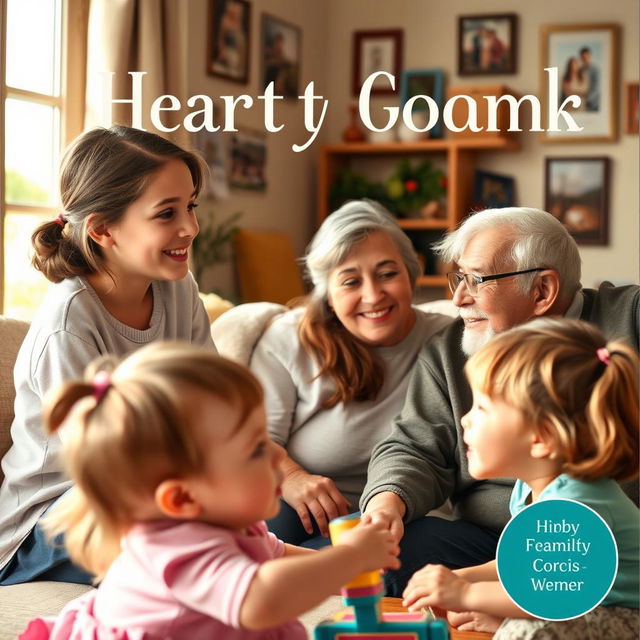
70,102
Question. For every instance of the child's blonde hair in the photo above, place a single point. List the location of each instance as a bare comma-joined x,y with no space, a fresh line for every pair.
126,435
584,399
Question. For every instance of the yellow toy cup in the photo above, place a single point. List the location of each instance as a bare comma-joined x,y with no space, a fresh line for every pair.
336,528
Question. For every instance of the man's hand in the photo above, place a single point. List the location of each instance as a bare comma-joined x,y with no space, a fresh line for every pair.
316,496
388,509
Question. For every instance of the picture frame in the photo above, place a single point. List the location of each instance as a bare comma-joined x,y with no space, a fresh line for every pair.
577,194
429,82
212,146
492,191
633,108
228,50
281,56
378,50
587,61
487,44
248,160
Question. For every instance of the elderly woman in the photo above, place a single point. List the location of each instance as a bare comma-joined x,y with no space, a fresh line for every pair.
335,370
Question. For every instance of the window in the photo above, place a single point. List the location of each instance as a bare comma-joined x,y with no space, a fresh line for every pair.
41,111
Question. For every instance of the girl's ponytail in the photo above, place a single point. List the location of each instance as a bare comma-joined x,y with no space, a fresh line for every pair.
55,254
612,415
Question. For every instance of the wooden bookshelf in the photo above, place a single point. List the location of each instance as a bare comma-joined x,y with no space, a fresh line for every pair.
460,156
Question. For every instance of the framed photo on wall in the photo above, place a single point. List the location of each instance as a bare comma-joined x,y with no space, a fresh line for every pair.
577,193
487,44
280,54
425,82
586,58
248,160
212,147
492,191
229,31
376,51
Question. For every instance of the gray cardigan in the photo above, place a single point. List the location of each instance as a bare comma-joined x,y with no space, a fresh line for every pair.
423,460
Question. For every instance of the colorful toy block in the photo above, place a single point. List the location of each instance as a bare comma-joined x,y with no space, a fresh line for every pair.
366,621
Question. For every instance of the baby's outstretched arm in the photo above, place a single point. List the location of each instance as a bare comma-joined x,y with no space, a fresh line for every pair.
286,587
435,585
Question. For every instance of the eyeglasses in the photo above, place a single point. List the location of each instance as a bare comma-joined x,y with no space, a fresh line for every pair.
472,281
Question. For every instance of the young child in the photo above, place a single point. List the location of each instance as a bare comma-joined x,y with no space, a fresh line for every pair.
118,257
556,407
170,451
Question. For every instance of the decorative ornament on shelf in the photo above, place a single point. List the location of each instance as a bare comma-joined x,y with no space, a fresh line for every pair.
412,191
354,132
416,191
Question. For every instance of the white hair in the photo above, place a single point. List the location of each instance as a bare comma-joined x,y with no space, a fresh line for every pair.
539,240
342,230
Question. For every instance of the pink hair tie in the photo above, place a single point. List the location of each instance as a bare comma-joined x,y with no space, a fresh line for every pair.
604,355
61,220
101,383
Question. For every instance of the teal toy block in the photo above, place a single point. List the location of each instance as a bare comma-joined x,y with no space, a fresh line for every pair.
366,621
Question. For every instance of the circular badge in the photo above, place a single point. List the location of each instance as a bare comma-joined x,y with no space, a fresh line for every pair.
557,559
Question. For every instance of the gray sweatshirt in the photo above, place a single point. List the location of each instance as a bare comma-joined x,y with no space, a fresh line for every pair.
70,329
424,461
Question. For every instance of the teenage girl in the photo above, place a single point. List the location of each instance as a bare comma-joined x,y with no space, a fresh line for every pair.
174,476
118,257
555,406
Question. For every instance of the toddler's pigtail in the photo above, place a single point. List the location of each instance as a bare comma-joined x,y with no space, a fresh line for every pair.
59,405
90,544
612,417
89,536
55,253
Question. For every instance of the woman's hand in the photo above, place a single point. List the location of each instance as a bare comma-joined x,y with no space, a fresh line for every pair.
388,509
474,621
312,495
435,585
374,543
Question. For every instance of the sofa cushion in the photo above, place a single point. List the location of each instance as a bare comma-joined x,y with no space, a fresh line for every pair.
236,332
12,333
20,603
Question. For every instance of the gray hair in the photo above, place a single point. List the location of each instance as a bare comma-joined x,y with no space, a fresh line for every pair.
352,223
540,240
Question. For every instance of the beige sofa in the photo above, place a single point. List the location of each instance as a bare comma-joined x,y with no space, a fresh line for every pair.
20,603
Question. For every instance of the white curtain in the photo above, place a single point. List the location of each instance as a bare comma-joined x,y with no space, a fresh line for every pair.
137,35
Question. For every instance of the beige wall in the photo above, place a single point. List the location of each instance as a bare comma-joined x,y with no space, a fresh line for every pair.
288,203
430,41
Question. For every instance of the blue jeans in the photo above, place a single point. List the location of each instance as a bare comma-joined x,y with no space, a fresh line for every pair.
288,527
431,540
39,558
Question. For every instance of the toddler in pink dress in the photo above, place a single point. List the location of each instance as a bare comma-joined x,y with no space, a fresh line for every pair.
174,476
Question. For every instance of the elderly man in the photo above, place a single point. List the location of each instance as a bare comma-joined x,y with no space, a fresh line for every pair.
514,264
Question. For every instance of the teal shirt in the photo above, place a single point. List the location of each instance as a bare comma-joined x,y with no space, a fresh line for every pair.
606,498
